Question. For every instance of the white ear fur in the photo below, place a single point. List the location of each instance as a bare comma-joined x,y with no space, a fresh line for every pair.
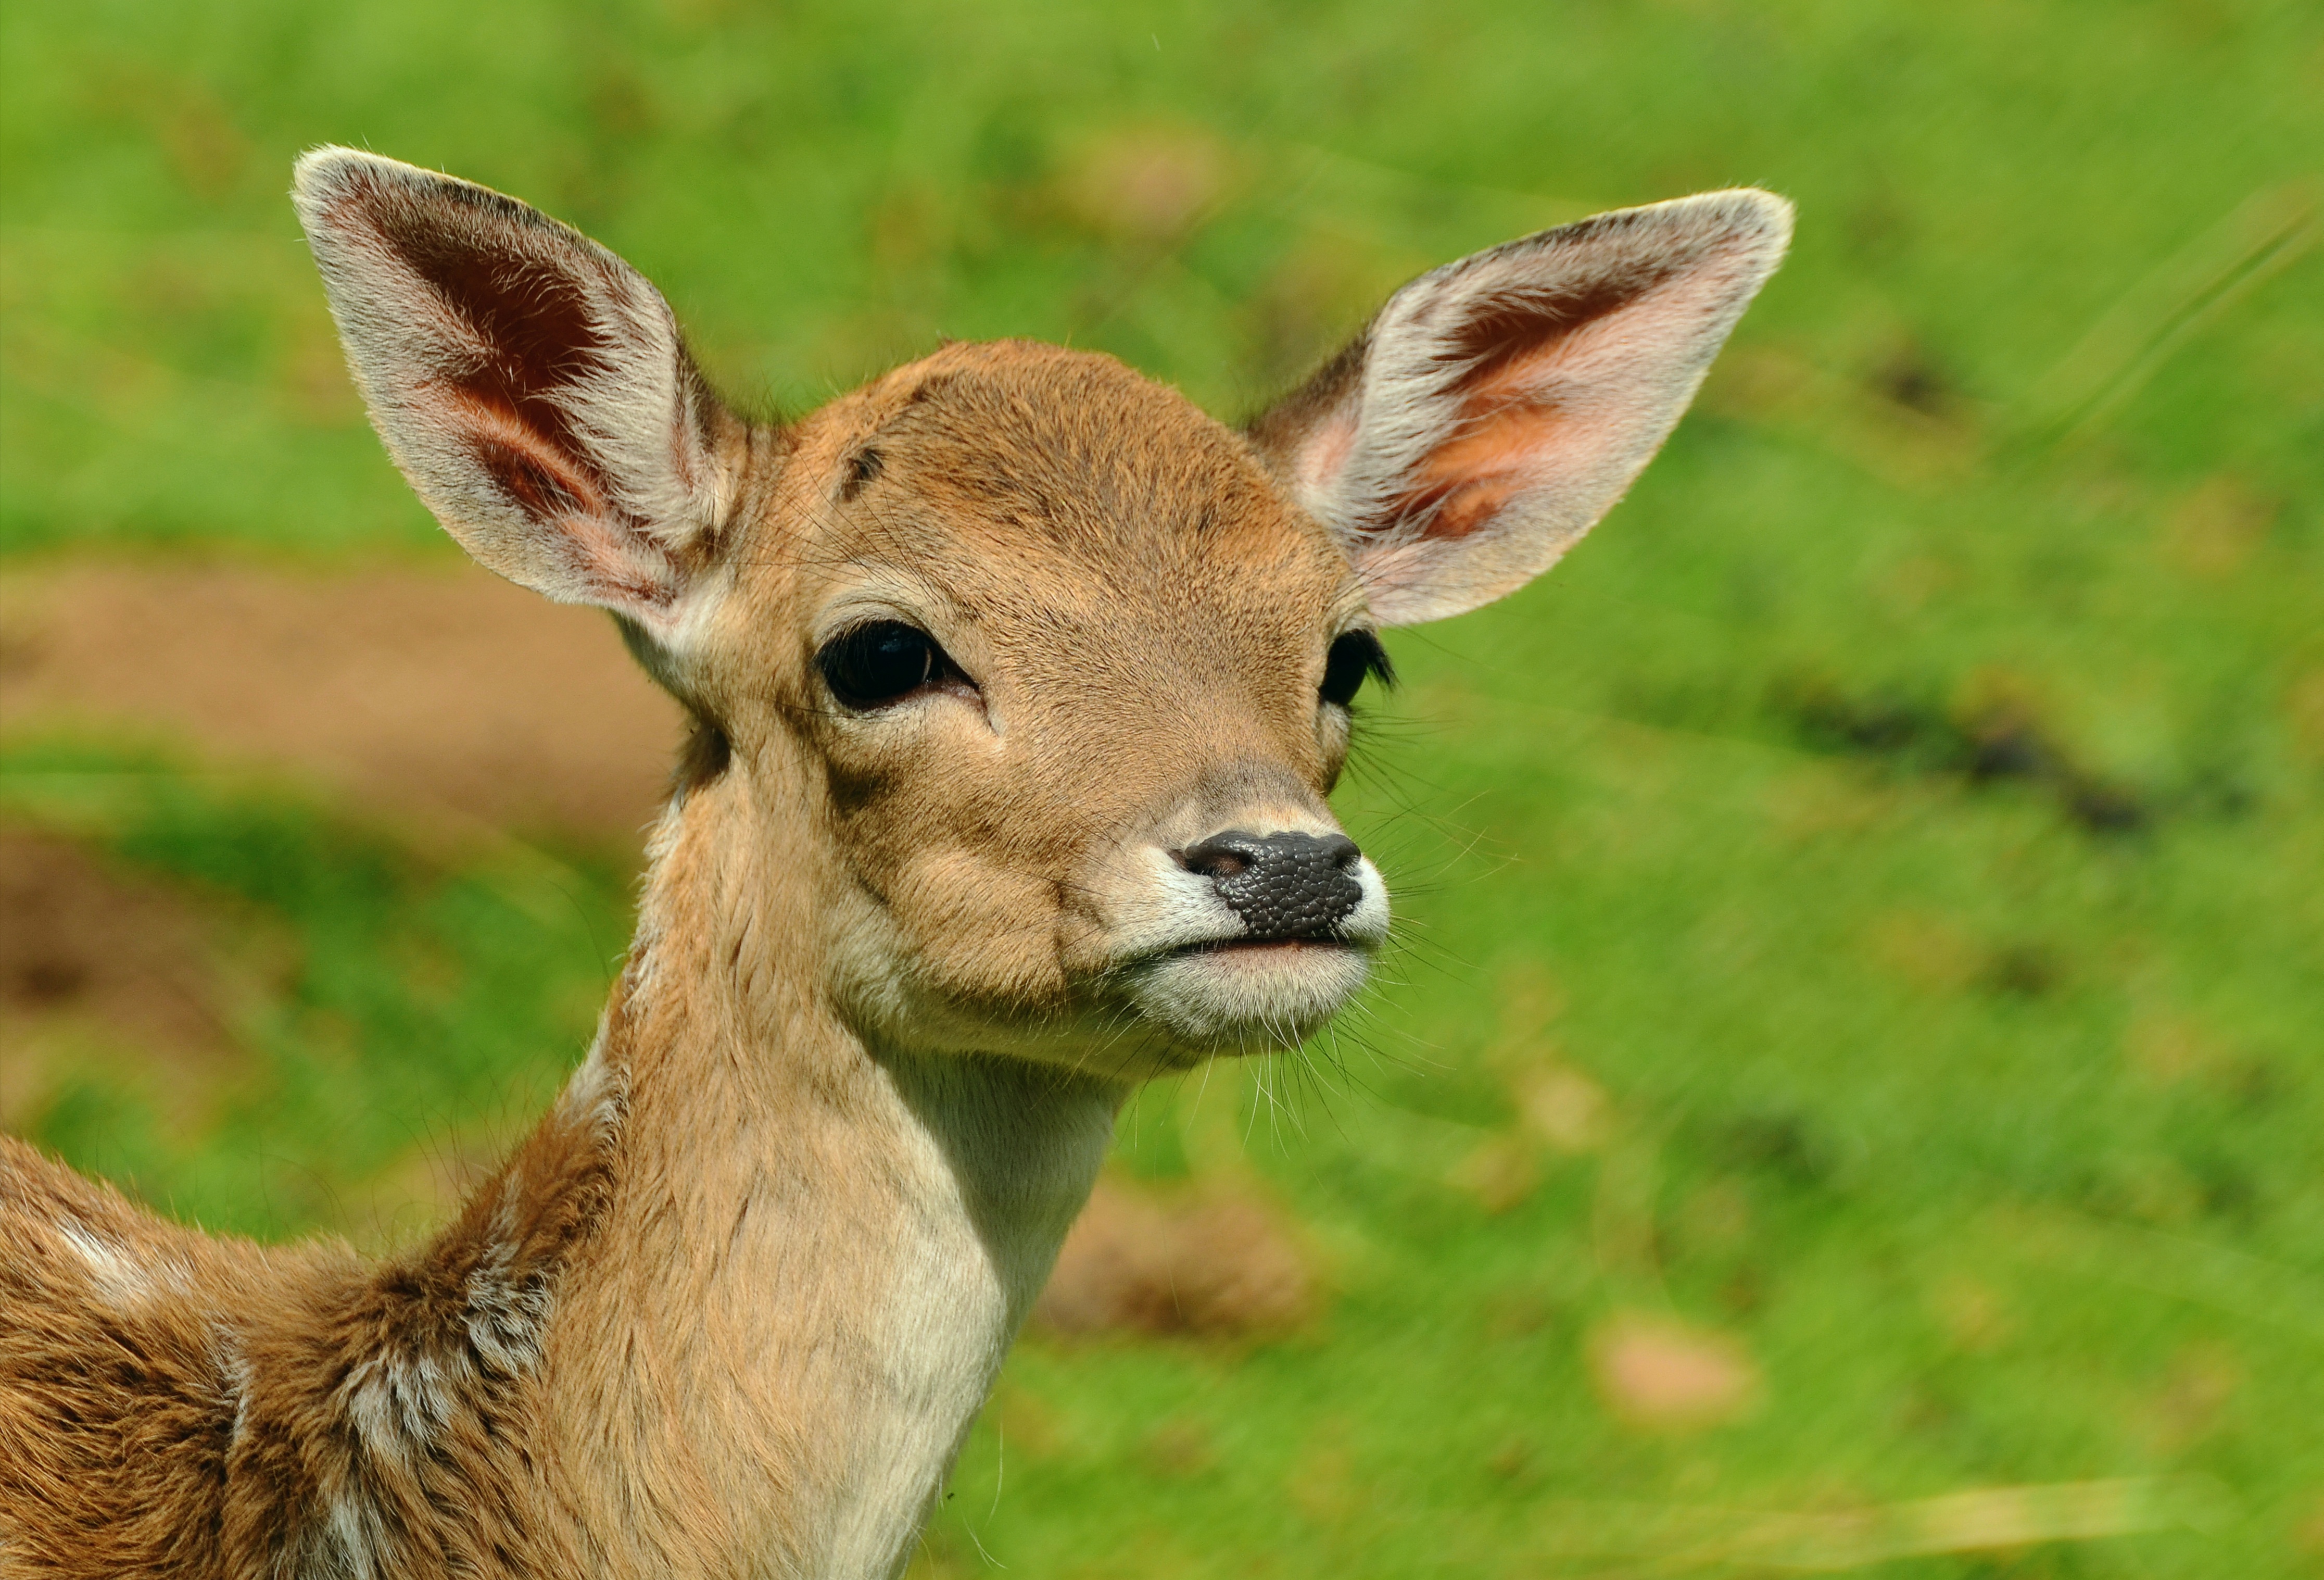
531,385
1499,406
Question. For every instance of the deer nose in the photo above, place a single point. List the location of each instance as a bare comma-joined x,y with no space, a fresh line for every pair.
1282,885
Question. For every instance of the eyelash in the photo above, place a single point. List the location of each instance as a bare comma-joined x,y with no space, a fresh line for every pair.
1355,656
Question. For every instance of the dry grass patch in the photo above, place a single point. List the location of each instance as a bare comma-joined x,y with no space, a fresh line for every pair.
1653,1372
1214,1264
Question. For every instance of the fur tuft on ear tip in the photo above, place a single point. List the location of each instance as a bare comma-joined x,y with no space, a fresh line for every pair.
338,189
327,165
1756,220
1743,225
326,176
1746,209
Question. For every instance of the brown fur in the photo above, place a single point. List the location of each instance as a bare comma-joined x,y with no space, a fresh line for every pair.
732,1307
201,1413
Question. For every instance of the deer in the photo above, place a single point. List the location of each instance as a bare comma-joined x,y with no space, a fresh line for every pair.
1014,688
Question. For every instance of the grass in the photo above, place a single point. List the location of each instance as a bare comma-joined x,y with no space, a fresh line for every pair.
396,1008
1907,813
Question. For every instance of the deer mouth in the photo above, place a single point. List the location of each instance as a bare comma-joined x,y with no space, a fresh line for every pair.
1267,945
1248,994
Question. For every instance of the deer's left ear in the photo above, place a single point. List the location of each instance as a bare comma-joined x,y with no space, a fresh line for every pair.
1499,406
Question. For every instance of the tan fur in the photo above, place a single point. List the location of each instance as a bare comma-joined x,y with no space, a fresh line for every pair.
731,1308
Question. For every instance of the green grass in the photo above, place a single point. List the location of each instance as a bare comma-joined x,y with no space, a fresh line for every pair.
1982,1108
401,1007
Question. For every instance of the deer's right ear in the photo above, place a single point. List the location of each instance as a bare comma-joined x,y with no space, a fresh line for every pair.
1499,406
531,385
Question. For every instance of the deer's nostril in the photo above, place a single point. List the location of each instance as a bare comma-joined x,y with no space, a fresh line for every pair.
1282,885
1219,856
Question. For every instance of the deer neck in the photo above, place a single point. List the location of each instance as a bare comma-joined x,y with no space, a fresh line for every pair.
816,1251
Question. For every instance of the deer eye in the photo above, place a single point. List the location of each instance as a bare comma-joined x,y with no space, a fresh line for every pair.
882,661
1354,655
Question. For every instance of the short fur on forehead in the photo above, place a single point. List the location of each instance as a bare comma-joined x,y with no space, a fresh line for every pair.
1497,407
1074,444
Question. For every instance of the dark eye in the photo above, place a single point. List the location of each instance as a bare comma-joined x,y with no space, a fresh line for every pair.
879,662
1354,655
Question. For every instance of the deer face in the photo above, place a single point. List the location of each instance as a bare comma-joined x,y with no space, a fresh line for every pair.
1044,673
1062,654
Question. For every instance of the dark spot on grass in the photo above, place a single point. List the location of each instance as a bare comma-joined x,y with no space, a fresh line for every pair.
19,654
1913,381
1517,1314
2258,1085
40,984
1781,1146
1213,1266
2005,745
2219,793
79,934
1925,1411
1981,747
2228,1190
1513,1461
2105,809
2027,971
1744,1291
1180,1448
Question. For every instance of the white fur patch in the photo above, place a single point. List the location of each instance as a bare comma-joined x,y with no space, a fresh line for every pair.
400,1397
960,1284
349,1543
234,1379
594,1094
120,1278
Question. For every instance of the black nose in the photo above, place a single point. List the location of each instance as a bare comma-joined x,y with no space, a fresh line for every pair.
1282,885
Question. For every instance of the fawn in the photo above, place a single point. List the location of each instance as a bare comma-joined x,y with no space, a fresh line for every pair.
1015,685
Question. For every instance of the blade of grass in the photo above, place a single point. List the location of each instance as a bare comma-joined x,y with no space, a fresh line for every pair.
2263,235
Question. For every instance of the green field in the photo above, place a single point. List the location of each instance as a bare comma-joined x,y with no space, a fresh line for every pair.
1865,910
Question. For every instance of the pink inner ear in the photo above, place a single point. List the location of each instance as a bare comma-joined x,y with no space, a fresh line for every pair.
1512,427
591,536
1471,479
1323,454
1527,419
542,479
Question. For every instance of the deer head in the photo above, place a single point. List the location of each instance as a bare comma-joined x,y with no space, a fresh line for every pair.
1033,678
1018,687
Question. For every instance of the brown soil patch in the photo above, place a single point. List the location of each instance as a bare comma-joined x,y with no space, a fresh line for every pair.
1218,1265
414,689
95,960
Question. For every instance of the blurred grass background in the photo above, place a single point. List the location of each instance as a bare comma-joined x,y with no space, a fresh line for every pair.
1860,1041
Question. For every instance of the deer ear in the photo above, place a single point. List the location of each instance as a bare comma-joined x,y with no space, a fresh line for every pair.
531,385
1499,406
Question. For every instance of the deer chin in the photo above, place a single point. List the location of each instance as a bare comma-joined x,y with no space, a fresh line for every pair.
1242,996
